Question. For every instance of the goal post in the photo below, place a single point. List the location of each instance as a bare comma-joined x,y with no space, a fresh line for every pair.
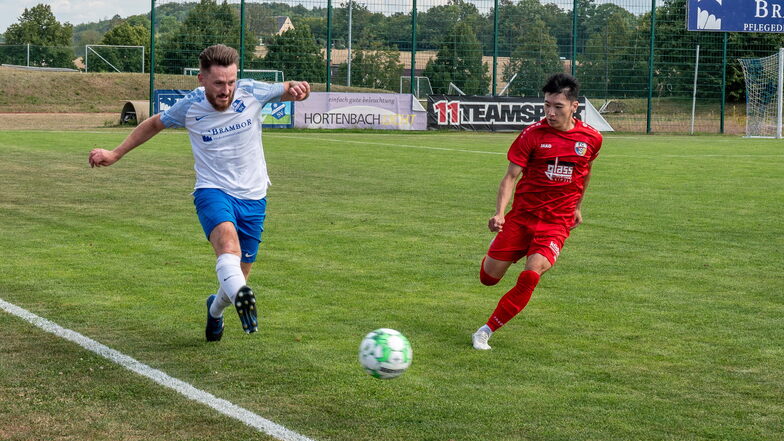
764,78
119,58
454,90
421,88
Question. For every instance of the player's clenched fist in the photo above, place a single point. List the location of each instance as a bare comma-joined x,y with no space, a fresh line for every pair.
496,224
101,157
300,90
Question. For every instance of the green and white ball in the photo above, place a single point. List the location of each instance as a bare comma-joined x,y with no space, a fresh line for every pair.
385,353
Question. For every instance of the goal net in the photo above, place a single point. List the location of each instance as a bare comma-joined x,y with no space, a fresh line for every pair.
422,86
269,75
764,78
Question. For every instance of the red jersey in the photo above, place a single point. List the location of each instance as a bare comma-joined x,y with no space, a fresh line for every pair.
555,165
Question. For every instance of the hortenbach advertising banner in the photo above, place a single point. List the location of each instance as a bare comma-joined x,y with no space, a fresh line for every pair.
390,111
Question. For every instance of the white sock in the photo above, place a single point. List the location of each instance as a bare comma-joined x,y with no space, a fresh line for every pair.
230,274
221,302
484,328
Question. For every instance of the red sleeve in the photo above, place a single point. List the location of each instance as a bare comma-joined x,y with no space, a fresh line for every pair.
597,146
520,150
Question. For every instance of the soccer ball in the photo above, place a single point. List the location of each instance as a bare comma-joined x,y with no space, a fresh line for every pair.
385,353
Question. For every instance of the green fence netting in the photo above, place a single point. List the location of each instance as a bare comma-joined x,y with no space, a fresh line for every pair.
456,46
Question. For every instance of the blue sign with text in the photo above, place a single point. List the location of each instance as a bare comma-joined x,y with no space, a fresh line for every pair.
736,15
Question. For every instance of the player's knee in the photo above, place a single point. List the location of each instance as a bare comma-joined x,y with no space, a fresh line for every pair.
485,278
538,263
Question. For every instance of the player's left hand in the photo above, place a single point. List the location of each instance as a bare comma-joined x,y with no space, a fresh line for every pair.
578,219
102,158
299,90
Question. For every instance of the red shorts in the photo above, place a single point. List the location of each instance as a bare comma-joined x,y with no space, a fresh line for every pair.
523,235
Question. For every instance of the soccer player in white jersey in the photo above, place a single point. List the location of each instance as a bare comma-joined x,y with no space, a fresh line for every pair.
223,121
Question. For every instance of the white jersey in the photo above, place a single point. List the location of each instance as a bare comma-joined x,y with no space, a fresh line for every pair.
227,148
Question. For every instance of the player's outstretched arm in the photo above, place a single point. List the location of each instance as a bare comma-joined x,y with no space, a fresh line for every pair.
505,192
143,132
295,91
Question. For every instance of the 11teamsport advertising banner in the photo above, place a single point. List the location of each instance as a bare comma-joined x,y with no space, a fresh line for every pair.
273,115
736,15
499,113
388,111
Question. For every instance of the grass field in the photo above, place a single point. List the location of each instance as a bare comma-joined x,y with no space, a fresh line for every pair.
661,321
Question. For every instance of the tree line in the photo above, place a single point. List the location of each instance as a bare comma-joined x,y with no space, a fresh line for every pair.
535,40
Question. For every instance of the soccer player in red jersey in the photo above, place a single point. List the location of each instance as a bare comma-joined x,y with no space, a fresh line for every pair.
554,157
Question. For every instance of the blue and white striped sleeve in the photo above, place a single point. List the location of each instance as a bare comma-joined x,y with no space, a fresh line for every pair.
264,92
175,115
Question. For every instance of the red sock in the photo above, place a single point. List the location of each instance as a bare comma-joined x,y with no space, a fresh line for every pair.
515,300
485,278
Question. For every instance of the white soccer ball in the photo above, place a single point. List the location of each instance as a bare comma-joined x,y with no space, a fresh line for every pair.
385,353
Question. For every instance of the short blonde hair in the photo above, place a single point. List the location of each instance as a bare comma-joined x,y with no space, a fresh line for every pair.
218,54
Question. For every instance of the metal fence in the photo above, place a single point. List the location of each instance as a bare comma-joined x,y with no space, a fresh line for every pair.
634,58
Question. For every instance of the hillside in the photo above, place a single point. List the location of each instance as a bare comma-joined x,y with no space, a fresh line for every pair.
33,91
24,90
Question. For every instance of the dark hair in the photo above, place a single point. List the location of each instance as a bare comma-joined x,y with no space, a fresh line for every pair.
218,54
563,83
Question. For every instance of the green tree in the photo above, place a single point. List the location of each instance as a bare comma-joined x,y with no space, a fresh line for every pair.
533,60
435,24
586,11
139,20
514,19
296,53
90,36
459,61
122,59
395,30
609,66
363,22
317,25
674,51
52,40
377,67
206,24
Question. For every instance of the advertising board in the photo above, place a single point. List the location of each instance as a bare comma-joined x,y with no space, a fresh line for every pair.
499,113
340,110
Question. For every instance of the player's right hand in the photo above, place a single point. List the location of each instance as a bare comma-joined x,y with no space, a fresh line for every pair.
496,223
101,158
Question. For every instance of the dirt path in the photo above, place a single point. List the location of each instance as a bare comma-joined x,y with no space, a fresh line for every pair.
58,121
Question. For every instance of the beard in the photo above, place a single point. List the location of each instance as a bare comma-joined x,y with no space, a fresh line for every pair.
213,99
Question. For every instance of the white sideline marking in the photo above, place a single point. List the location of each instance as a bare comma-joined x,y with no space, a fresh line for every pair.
160,377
